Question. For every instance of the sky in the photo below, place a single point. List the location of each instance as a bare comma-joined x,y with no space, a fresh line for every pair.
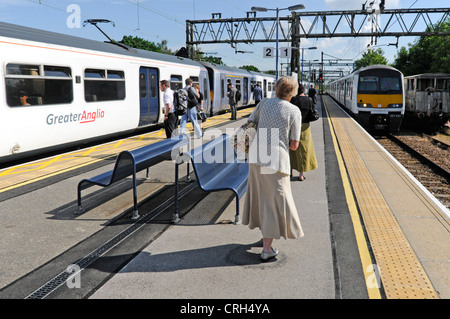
157,20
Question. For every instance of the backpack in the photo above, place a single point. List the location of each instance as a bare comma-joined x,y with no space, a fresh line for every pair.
238,96
191,99
180,98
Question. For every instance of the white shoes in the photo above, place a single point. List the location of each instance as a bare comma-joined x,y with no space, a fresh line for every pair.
266,256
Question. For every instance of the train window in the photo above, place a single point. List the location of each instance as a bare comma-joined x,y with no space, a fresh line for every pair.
153,85
440,84
105,85
194,79
205,90
118,75
176,82
389,84
38,85
22,69
142,86
222,89
238,85
94,74
57,71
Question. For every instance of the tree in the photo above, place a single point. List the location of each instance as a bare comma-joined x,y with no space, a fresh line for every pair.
139,43
371,57
249,68
429,54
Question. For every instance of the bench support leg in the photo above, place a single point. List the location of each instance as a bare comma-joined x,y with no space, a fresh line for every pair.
135,210
237,218
80,208
176,219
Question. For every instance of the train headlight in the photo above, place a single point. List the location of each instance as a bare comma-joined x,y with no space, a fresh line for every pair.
395,106
365,105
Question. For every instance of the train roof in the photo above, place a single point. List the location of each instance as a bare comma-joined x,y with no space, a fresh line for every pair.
428,76
366,68
225,68
376,66
37,35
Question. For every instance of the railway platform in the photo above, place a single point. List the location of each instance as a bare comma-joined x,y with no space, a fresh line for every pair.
368,234
371,232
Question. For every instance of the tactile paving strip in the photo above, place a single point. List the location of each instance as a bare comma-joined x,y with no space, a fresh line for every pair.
401,273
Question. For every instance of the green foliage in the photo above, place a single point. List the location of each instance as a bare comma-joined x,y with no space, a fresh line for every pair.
429,54
139,43
371,57
249,68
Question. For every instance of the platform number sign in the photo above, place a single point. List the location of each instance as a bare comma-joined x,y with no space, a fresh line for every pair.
285,52
268,52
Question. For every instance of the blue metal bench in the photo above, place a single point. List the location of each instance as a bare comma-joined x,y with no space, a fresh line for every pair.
130,162
217,168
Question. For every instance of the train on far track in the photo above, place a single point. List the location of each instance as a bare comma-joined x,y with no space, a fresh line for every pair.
427,100
373,95
59,91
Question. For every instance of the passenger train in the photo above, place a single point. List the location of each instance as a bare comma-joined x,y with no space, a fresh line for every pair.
58,91
427,99
374,95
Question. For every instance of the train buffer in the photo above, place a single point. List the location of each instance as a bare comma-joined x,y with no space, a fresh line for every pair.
217,168
128,163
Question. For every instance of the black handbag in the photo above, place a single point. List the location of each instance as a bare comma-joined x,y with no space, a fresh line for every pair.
313,115
202,116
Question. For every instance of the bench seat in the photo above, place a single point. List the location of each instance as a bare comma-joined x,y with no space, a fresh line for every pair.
217,168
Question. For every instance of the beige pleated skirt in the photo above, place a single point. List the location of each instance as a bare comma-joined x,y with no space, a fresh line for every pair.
303,159
269,205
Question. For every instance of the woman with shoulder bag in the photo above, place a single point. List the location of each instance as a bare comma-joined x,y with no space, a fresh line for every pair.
303,159
269,204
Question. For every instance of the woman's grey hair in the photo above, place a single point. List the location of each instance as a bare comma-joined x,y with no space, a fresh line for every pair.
286,87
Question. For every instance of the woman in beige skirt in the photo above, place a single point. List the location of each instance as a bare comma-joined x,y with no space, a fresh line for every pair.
303,159
269,204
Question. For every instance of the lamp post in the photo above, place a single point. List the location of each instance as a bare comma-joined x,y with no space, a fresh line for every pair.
291,8
303,52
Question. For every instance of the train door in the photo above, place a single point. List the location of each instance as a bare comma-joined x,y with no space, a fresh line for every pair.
245,92
149,96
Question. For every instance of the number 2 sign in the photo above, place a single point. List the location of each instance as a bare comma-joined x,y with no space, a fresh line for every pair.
268,52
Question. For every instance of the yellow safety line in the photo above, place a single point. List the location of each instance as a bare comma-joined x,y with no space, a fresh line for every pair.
397,265
83,153
366,261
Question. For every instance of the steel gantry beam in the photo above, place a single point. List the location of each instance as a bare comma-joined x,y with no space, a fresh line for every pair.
319,24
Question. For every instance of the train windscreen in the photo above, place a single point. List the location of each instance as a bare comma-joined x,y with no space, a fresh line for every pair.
380,81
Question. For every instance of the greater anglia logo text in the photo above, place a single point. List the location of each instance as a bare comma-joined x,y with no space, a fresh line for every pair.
85,117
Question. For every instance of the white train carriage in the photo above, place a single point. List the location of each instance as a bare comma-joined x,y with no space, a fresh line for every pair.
58,90
428,97
243,80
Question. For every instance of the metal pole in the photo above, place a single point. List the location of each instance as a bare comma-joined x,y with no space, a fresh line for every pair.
303,53
276,49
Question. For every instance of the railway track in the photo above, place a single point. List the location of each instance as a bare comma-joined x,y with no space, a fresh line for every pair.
428,162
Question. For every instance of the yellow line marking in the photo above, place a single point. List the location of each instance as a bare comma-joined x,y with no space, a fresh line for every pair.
397,265
366,260
97,153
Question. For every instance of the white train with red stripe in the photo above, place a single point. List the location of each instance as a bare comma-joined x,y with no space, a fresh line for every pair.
58,91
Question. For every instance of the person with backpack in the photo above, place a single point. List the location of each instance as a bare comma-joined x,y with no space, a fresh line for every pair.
170,117
233,99
191,112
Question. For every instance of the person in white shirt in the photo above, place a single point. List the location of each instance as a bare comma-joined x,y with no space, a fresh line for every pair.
170,118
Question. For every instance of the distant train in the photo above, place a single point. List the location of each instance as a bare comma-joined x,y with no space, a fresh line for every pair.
58,91
374,95
428,99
